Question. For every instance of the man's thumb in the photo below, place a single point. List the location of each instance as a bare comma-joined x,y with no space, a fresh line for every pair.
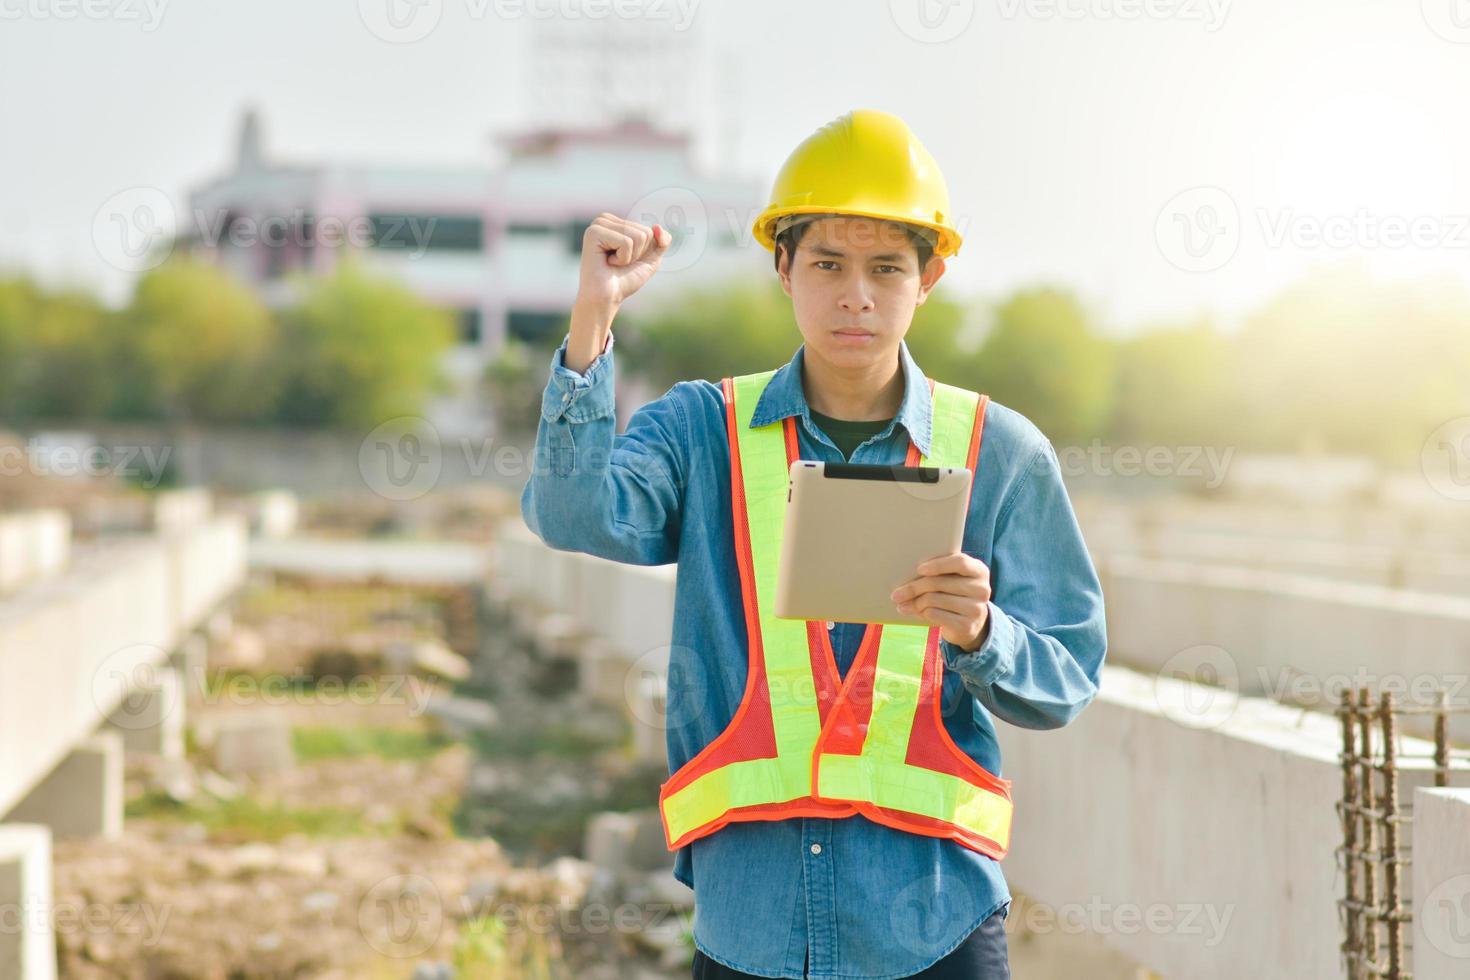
661,236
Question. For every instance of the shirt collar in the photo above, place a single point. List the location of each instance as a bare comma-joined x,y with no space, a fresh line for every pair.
784,396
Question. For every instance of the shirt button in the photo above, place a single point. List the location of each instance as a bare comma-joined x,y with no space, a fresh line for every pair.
816,848
831,624
566,397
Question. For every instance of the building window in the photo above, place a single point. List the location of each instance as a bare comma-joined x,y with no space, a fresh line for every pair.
535,327
469,326
427,232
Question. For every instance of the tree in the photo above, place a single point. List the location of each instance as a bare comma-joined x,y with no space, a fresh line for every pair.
359,351
201,344
1043,359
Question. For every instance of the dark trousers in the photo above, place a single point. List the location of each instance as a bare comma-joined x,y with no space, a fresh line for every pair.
982,956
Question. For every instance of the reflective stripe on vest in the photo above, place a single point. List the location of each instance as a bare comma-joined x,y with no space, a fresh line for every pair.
804,741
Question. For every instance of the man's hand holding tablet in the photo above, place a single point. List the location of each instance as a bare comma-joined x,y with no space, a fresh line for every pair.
953,593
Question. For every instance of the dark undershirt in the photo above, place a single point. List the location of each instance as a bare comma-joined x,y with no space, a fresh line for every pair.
847,434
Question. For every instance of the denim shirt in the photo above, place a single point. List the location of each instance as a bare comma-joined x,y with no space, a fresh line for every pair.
836,899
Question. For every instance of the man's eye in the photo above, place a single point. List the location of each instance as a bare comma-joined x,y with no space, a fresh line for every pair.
893,267
823,263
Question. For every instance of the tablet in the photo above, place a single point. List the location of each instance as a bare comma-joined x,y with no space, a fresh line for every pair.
854,532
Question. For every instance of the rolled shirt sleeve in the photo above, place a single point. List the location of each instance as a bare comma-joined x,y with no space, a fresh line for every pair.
593,490
1039,666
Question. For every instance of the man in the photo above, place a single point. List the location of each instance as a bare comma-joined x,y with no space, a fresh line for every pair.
818,879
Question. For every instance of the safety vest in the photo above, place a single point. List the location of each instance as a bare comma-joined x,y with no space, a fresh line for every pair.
825,745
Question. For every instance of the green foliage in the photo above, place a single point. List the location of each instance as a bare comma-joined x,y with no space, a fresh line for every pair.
1043,358
711,333
358,351
47,341
201,342
313,742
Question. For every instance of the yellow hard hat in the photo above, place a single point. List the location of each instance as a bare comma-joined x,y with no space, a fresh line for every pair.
867,163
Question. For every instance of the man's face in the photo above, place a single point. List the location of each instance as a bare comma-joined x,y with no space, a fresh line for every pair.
854,284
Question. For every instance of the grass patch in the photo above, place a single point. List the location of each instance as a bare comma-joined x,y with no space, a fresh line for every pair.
246,819
313,743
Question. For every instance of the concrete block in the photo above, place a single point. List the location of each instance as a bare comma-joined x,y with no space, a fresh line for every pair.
177,510
1441,884
27,942
151,716
83,795
627,841
35,545
252,742
274,513
190,660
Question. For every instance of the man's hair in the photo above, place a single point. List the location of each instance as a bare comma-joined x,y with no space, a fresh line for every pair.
791,238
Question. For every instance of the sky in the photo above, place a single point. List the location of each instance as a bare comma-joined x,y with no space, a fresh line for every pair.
1165,159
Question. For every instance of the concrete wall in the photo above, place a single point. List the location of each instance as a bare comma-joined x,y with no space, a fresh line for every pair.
1296,638
1441,880
72,648
27,949
34,545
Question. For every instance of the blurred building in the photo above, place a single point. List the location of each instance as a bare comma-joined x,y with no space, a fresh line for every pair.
498,244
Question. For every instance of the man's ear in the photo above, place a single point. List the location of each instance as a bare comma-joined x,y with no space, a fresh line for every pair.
784,268
929,277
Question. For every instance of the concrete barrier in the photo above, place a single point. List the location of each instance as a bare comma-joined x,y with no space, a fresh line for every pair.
1441,882
27,949
34,545
1294,638
100,632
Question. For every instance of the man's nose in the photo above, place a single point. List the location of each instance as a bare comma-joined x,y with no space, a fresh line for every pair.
856,297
